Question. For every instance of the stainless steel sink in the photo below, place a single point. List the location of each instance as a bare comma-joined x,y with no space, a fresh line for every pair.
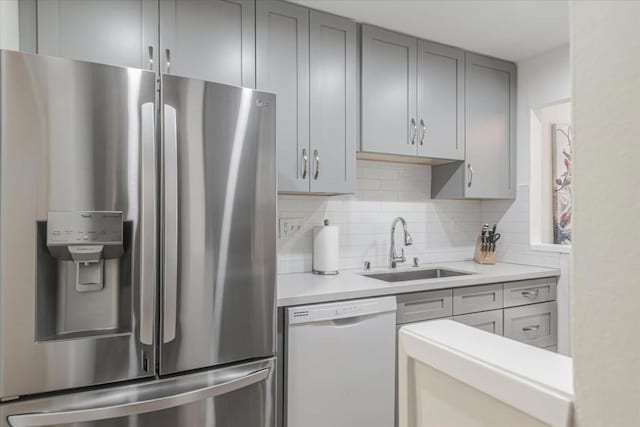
403,276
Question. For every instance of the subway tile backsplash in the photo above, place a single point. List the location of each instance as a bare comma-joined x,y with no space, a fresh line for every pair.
512,217
442,230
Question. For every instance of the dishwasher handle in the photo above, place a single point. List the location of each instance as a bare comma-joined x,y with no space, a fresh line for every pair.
341,311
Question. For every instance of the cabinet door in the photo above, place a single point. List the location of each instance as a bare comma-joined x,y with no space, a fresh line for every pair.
389,123
282,67
118,32
490,128
440,101
477,298
421,306
529,292
333,120
535,324
490,321
211,40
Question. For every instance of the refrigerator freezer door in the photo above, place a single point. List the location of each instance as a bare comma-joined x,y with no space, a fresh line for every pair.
77,141
219,224
241,395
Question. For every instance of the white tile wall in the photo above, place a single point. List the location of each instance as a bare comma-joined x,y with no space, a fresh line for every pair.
512,217
442,230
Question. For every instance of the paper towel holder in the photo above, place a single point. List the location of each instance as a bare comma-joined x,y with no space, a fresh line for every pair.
325,223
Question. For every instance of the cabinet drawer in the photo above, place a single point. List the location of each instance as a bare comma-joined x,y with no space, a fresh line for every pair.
490,321
532,324
424,306
529,292
477,298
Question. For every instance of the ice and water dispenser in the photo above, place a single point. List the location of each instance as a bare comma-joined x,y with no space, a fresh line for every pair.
87,239
84,275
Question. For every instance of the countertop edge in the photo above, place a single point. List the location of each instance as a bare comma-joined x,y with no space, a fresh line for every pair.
408,287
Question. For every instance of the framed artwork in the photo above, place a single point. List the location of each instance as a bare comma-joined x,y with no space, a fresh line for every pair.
562,162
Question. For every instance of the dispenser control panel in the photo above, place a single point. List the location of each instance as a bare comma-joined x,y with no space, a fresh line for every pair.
78,228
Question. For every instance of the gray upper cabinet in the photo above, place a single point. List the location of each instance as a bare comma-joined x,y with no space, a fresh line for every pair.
211,40
333,107
118,32
490,127
282,67
490,141
389,121
440,101
308,59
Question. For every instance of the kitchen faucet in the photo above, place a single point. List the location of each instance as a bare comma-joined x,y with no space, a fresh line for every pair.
393,256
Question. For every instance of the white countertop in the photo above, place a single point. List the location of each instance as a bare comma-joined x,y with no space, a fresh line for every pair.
535,381
308,288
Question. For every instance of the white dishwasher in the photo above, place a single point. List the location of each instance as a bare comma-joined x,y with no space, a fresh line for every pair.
340,364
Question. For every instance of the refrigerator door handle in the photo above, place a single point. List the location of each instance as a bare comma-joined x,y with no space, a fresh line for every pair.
170,264
148,226
136,408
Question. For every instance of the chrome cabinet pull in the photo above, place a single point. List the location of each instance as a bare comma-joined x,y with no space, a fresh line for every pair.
415,131
305,163
530,293
531,328
470,175
150,52
170,270
182,398
148,225
167,54
424,131
317,157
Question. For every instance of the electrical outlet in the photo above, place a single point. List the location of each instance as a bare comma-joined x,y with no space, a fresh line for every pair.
290,226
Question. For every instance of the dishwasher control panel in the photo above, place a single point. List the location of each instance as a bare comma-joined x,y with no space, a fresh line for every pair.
348,309
340,310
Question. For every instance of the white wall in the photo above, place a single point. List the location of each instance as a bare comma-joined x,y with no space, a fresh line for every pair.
606,263
9,38
542,80
442,230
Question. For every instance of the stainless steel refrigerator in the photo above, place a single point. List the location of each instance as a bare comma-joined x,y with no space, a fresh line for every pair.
137,248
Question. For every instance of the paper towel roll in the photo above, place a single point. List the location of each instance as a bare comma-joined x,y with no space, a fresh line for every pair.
325,249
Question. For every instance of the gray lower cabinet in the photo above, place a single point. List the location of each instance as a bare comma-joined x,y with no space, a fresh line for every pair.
389,120
333,103
477,298
529,292
534,324
309,60
118,32
440,101
424,306
282,67
210,40
490,321
490,135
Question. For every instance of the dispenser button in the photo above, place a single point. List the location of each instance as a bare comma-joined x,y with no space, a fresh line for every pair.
85,237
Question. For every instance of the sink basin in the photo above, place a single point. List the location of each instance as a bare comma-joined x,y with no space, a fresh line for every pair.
403,276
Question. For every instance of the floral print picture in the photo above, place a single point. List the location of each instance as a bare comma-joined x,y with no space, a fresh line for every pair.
562,176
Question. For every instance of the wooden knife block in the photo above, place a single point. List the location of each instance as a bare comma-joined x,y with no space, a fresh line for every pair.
483,257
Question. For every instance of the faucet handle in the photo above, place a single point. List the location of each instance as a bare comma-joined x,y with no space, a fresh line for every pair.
402,257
